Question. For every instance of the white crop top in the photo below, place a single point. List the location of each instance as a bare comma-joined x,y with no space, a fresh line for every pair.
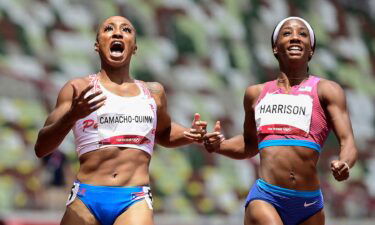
121,122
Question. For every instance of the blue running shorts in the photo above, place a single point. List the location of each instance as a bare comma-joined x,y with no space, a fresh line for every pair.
106,203
294,207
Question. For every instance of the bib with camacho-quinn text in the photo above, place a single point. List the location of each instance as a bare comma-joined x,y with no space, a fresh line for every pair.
125,124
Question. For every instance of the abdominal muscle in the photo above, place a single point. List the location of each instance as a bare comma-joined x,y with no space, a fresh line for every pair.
114,166
291,167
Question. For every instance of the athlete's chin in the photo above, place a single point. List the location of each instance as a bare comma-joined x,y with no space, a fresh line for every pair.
295,56
297,59
116,63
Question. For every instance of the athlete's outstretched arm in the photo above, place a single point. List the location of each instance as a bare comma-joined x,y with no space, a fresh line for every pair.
333,97
240,146
168,133
70,107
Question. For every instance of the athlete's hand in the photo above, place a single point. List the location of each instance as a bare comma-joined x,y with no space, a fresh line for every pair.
197,130
83,106
213,140
340,170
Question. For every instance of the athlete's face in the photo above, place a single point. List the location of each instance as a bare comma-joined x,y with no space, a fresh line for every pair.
293,42
116,41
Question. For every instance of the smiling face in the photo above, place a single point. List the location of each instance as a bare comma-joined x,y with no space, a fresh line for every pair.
116,41
293,42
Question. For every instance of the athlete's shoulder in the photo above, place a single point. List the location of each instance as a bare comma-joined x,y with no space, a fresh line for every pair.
329,89
157,91
253,91
326,86
66,92
155,88
79,82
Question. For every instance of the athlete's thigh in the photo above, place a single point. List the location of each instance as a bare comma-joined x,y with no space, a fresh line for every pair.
78,213
137,214
259,212
317,219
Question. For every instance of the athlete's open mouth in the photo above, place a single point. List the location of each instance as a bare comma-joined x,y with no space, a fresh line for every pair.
117,48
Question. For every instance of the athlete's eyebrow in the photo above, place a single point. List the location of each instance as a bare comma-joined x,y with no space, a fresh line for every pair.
127,25
290,27
122,24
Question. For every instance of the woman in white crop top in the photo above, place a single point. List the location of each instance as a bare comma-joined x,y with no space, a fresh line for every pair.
115,120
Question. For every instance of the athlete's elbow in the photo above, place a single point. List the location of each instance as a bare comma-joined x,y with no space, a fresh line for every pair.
38,145
248,155
40,150
39,156
355,156
166,144
251,150
160,140
243,154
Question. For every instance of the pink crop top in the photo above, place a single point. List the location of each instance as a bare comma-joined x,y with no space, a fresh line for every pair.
291,119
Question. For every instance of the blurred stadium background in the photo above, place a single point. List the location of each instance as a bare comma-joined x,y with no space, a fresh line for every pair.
205,53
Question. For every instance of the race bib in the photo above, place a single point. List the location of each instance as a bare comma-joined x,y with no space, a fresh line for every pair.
284,114
130,127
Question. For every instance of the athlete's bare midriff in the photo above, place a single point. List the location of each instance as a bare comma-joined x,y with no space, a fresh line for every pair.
291,167
114,166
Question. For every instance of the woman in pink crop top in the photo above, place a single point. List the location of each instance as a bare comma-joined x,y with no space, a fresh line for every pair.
287,121
116,120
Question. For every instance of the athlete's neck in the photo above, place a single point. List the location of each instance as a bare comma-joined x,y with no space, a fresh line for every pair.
288,80
117,75
293,73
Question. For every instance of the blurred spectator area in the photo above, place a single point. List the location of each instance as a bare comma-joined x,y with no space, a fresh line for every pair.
205,53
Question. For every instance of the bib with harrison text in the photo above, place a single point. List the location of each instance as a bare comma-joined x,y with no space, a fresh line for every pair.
284,114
